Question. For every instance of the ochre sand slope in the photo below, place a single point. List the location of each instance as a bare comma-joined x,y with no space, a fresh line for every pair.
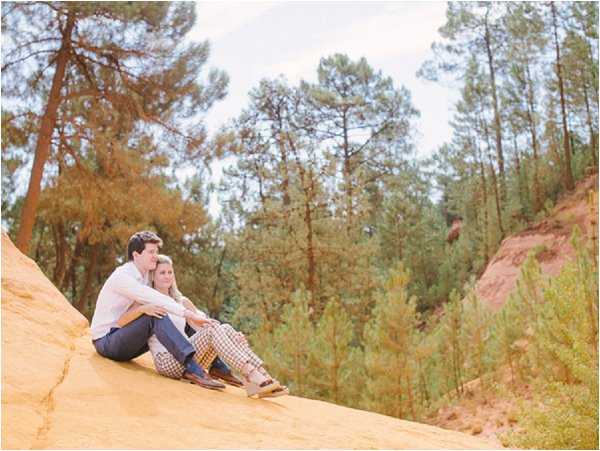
58,393
551,235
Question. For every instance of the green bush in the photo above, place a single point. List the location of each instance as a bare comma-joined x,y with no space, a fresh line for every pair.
563,353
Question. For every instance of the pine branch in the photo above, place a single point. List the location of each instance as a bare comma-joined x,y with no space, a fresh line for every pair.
39,52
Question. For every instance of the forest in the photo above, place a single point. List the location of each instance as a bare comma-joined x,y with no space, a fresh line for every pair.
331,248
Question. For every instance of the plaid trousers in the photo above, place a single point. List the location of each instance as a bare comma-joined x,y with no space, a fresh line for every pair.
208,342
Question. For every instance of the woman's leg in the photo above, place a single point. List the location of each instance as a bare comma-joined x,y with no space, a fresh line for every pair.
167,365
210,338
210,341
242,342
255,360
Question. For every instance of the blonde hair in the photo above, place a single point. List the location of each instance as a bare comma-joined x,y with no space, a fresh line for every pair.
173,290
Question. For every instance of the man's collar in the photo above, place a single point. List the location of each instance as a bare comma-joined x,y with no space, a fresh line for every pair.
137,273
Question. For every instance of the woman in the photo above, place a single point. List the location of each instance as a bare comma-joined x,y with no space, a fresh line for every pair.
211,339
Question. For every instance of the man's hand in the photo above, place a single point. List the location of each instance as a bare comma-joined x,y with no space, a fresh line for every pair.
153,310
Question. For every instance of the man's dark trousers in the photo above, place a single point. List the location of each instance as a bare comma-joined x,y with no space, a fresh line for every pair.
128,342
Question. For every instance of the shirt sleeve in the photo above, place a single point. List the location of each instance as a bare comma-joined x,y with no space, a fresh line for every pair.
128,286
198,311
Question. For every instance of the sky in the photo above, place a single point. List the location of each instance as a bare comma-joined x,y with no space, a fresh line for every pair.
254,40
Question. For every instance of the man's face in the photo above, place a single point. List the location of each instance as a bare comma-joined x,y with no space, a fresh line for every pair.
146,260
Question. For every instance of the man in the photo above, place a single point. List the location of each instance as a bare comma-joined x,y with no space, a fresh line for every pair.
129,283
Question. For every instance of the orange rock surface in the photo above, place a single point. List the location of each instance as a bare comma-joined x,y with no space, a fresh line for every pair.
550,237
58,393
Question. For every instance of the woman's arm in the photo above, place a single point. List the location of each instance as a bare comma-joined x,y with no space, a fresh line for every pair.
139,310
195,323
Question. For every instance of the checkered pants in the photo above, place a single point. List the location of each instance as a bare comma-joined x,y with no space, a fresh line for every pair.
209,341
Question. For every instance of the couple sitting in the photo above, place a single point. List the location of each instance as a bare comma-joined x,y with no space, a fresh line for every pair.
140,308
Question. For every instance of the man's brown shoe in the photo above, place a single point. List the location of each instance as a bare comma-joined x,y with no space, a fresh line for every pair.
203,380
228,378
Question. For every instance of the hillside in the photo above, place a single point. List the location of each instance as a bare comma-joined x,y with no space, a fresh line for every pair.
487,413
58,393
550,236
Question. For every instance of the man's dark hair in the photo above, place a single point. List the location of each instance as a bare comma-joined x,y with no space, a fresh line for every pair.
137,242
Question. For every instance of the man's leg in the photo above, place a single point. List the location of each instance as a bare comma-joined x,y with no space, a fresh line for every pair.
131,340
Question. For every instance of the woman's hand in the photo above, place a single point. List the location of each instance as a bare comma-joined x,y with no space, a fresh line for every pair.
153,310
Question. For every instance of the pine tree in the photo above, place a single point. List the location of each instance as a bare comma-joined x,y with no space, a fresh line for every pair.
335,364
451,344
292,341
390,342
565,354
477,321
76,56
474,30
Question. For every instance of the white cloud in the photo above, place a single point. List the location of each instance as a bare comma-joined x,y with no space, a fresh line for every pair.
215,19
401,30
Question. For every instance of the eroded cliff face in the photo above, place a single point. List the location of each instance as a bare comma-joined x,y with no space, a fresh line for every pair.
58,393
550,237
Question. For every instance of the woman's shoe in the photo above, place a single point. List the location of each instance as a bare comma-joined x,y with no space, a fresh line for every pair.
281,391
252,388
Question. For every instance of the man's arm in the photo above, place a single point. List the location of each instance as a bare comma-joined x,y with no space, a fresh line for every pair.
138,310
201,318
128,286
190,306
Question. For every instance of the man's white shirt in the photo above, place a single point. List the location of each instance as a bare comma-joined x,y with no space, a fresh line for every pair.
125,286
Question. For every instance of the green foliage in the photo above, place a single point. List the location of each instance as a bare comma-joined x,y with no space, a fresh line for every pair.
292,342
122,122
390,344
564,354
479,358
335,364
451,344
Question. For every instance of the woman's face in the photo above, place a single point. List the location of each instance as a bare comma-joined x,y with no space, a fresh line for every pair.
163,276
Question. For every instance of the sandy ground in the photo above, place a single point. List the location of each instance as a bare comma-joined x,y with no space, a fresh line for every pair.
58,393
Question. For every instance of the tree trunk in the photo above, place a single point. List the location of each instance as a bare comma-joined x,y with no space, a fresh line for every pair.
308,188
567,172
71,276
347,176
497,198
310,251
590,123
60,245
494,181
42,148
284,166
486,251
518,171
537,196
91,270
38,250
497,125
212,307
